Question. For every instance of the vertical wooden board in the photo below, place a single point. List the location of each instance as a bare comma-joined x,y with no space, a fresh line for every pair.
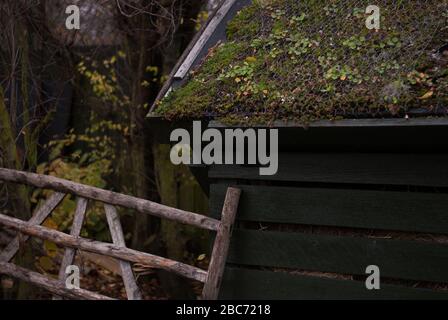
357,168
221,245
384,210
241,283
411,260
113,219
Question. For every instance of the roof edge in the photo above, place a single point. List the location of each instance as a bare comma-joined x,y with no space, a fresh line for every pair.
347,123
194,48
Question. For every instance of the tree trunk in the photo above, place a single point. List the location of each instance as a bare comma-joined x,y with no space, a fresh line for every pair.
140,185
177,188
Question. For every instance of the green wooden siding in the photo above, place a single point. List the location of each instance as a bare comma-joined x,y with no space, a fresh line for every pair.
254,284
339,207
359,168
346,197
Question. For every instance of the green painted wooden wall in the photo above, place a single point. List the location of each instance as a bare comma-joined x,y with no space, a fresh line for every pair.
310,231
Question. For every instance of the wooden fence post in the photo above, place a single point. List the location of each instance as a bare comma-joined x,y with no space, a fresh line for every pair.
221,245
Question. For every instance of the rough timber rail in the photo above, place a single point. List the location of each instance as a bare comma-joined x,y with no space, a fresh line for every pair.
110,197
117,249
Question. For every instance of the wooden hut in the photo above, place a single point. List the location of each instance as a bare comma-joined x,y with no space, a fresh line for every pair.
362,177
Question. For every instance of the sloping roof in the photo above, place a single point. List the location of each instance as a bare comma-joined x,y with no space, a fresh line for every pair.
309,60
213,32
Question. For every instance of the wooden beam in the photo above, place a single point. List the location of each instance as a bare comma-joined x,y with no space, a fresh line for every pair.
345,123
69,253
106,249
349,254
250,284
203,39
343,207
52,285
402,169
140,205
113,219
38,218
221,246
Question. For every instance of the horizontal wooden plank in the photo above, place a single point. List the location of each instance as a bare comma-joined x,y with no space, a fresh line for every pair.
345,123
411,260
254,284
356,135
401,211
357,168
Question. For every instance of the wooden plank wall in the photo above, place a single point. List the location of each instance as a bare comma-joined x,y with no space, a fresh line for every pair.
310,231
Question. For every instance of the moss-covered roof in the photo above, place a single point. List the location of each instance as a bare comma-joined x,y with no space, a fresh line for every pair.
312,59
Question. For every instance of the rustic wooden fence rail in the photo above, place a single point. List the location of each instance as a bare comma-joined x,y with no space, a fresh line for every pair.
211,278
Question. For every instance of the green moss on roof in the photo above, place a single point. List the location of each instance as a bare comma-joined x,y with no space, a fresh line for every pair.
308,60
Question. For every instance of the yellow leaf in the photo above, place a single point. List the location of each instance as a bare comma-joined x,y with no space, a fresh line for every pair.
51,248
427,95
49,223
237,80
343,78
251,59
46,263
201,257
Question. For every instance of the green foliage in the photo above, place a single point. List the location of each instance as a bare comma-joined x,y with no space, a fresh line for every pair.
90,174
247,23
239,73
354,42
104,80
90,156
222,56
195,96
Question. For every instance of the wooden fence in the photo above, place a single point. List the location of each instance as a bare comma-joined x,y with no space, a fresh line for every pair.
117,249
